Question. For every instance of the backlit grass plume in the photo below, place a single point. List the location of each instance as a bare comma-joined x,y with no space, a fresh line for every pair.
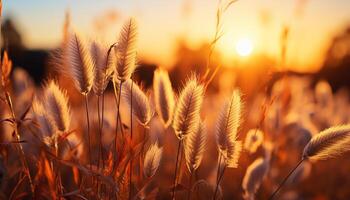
164,96
152,160
47,126
195,145
140,103
253,140
56,104
227,127
187,113
80,64
328,143
254,176
104,66
126,51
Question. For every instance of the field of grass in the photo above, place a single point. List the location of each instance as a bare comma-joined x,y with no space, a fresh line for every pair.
92,131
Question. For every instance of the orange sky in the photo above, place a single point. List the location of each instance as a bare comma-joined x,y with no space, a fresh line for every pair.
162,22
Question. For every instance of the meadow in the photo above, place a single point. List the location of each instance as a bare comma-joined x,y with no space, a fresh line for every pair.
93,130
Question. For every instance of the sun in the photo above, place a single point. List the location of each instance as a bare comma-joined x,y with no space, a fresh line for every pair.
244,47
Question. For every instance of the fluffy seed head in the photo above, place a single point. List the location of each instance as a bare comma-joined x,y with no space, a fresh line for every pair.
228,122
47,126
232,153
164,96
104,63
328,143
253,140
126,51
80,64
152,160
254,176
56,104
195,145
187,113
140,104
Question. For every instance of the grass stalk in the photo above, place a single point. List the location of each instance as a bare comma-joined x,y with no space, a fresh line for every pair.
218,182
285,179
176,165
131,133
88,127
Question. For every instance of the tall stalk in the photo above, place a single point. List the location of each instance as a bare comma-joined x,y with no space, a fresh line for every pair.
131,132
117,99
19,146
88,127
176,165
190,186
218,182
285,179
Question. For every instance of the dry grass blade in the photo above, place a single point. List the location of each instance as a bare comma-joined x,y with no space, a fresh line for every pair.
195,145
140,103
126,51
5,69
152,160
56,104
80,64
164,96
328,143
187,113
104,66
254,176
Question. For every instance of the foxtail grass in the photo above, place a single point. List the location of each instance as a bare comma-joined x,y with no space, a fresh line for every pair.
329,143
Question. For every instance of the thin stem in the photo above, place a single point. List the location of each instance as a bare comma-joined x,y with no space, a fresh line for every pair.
218,182
102,122
190,186
88,126
131,131
57,170
118,115
285,179
19,146
99,131
177,160
218,170
141,155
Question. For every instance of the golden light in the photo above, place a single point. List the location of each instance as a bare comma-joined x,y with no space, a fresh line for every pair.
244,47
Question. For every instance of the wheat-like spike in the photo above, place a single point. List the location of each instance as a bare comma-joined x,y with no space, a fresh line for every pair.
187,113
140,103
164,96
80,64
231,155
195,145
228,122
104,66
126,51
47,126
328,143
254,176
152,160
253,140
56,105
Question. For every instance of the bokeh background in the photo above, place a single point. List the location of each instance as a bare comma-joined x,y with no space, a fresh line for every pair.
177,33
307,40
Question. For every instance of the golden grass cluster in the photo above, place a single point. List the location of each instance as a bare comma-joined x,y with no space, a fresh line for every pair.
102,147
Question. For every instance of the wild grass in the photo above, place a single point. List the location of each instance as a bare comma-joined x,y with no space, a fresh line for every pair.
99,146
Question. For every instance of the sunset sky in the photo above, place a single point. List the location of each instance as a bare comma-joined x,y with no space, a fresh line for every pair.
163,22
